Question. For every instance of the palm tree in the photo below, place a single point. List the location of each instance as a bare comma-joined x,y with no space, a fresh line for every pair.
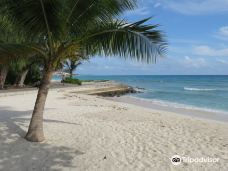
4,57
73,62
71,65
3,73
20,67
66,26
20,79
9,33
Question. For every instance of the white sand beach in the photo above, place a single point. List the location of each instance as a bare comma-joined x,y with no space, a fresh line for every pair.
85,132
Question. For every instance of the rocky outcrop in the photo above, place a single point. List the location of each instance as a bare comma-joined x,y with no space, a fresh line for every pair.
114,91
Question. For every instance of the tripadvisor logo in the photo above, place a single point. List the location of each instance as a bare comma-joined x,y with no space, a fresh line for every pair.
176,160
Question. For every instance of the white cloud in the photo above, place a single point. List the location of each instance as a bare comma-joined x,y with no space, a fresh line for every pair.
222,33
139,11
189,7
156,5
194,62
144,8
222,61
208,51
185,41
195,7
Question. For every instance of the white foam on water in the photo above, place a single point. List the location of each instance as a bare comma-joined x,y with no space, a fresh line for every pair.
198,89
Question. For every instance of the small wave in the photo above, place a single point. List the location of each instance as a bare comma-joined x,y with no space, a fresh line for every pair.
199,89
140,90
143,90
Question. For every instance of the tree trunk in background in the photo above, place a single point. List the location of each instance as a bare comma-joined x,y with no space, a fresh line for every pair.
3,74
23,75
35,132
71,73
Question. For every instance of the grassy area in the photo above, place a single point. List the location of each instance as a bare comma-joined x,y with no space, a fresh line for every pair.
94,80
72,81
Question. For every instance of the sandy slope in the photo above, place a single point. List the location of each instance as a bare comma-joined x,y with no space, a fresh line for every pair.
89,133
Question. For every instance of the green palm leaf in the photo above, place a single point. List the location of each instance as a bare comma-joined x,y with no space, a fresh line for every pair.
40,17
136,40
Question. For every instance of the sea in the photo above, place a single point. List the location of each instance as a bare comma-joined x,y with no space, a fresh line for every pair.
207,93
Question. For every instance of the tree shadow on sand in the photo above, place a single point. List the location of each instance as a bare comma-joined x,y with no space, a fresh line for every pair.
19,155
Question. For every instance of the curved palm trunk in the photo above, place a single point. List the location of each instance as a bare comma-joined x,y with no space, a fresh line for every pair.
35,131
20,79
3,74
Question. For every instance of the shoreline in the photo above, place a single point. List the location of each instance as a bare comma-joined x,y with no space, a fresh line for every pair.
119,92
194,112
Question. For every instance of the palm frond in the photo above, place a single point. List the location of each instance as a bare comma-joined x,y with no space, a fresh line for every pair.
9,32
34,15
65,27
136,40
49,17
15,50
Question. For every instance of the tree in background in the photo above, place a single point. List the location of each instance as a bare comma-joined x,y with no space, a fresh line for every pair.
34,75
91,26
3,73
5,56
73,61
9,33
71,65
19,69
20,79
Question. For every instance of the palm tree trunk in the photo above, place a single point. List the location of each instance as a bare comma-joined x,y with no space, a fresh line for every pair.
3,74
21,78
35,132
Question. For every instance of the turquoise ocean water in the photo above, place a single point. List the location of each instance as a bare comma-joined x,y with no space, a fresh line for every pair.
200,92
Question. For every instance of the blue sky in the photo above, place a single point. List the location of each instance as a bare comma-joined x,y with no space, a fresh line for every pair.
197,32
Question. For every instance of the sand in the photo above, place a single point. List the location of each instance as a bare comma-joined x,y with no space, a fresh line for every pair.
85,132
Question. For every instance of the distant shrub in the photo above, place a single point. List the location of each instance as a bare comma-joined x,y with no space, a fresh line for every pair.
34,75
72,81
94,80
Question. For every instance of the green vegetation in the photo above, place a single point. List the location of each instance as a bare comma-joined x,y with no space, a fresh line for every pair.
59,30
33,76
94,80
23,72
72,81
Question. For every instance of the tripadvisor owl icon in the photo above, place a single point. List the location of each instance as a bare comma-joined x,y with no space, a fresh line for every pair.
176,160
